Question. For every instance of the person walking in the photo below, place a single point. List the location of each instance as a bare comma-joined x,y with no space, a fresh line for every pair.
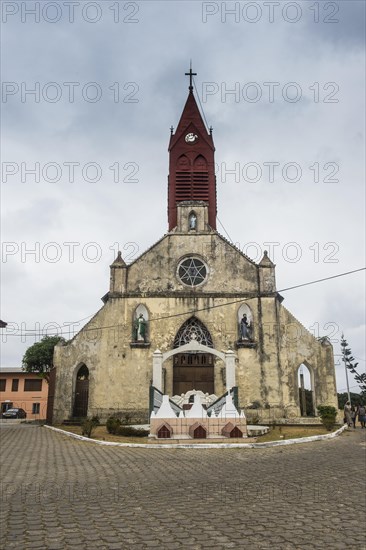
347,414
362,415
353,415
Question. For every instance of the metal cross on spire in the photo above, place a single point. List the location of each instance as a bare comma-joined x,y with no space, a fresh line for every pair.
191,75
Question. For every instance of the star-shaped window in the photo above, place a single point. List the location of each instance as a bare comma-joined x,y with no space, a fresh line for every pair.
192,271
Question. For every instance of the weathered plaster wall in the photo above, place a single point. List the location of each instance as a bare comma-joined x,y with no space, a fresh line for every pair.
120,375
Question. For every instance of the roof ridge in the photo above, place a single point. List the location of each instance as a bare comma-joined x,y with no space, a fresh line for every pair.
236,248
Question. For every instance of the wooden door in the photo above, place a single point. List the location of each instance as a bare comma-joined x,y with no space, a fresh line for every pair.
193,371
81,398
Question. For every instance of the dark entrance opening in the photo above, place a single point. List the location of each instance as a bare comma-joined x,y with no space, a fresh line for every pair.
236,432
164,432
199,433
193,371
81,392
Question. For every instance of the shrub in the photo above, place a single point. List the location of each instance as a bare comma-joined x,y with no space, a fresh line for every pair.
88,426
328,416
112,424
96,420
129,431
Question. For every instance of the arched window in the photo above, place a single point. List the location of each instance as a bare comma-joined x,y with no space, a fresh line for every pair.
83,373
306,390
140,324
193,329
245,323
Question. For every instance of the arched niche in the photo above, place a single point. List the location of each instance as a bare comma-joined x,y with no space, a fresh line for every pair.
200,164
245,324
192,221
305,390
140,324
183,163
81,393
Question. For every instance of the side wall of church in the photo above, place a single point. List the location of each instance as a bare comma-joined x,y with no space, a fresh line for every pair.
299,346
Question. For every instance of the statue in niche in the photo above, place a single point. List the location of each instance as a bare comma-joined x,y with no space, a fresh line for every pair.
140,329
192,221
245,329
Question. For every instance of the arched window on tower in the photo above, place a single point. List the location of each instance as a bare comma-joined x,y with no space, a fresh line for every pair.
200,179
140,325
245,325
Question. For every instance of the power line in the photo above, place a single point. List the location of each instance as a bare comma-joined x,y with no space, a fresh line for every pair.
199,101
196,310
230,239
321,280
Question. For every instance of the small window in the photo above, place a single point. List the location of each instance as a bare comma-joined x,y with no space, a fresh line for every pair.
32,385
15,384
2,384
36,408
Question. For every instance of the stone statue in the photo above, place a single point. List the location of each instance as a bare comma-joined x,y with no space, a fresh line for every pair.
140,329
193,221
245,330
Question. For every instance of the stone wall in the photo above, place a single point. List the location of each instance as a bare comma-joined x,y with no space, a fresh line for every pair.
266,370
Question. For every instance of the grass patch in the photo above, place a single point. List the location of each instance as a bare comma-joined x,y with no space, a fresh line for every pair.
100,433
292,432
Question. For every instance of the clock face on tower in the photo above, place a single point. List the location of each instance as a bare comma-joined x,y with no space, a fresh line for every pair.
191,138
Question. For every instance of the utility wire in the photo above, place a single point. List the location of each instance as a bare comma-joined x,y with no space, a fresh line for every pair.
199,101
230,239
321,280
196,310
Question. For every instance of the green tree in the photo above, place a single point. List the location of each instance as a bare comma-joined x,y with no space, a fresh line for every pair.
356,399
39,357
348,361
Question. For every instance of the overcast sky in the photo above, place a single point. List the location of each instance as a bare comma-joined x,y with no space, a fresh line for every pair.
108,81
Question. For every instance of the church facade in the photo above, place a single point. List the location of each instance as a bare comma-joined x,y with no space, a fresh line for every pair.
191,313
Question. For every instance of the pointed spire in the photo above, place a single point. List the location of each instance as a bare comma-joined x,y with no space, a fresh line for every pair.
265,261
191,115
119,261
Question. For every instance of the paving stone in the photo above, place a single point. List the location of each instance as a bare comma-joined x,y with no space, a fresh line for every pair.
88,496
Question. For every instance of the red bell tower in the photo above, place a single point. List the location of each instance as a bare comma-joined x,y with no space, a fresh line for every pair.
191,162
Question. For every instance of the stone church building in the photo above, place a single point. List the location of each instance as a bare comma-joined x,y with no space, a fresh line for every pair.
191,313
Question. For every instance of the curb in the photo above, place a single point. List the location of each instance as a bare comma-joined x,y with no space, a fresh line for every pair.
204,445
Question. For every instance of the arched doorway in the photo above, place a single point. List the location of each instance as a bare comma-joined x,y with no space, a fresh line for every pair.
306,391
81,392
193,370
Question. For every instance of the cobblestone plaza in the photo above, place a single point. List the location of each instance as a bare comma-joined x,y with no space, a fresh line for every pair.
61,493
